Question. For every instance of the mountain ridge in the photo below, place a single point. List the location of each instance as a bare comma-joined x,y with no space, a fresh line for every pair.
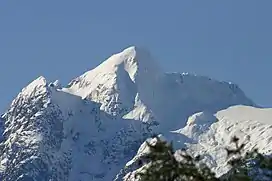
103,116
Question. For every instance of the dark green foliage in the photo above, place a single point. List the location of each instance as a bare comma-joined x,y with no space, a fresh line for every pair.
162,165
251,166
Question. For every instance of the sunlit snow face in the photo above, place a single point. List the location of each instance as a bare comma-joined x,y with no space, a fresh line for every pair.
96,124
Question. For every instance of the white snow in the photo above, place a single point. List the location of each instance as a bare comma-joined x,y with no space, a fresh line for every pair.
242,121
209,135
131,85
38,84
92,128
197,124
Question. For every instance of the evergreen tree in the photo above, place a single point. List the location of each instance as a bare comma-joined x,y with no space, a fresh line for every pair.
162,165
251,166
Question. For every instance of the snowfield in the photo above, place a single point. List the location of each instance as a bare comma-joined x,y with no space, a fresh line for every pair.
209,134
95,128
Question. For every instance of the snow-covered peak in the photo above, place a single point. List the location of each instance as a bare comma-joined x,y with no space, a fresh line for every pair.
133,60
103,116
116,82
209,134
62,134
131,84
37,87
38,84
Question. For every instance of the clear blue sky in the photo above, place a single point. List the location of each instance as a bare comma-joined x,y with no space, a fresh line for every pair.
228,40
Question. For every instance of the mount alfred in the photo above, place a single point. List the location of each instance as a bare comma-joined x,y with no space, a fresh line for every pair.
95,128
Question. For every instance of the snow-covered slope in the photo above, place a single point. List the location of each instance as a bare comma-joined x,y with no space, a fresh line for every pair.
50,134
252,125
130,84
120,82
90,129
209,134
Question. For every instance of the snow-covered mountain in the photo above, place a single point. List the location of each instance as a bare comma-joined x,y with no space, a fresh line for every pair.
90,129
130,84
209,134
50,134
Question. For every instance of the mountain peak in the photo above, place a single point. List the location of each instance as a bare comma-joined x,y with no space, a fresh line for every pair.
119,78
133,60
37,84
36,88
126,99
134,51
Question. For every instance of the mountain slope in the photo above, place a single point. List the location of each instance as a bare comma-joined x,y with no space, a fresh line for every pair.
252,125
90,129
50,134
131,85
209,134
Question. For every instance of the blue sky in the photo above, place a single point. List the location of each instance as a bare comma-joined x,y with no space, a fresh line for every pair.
227,40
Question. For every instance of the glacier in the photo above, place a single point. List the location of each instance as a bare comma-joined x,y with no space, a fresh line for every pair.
95,127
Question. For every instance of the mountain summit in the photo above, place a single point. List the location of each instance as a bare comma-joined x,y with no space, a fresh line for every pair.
117,82
91,128
137,62
133,62
130,84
